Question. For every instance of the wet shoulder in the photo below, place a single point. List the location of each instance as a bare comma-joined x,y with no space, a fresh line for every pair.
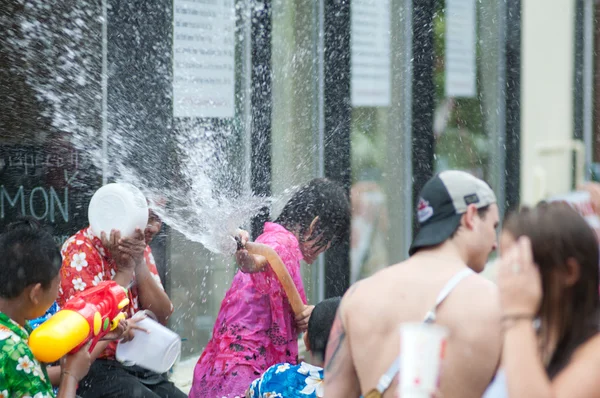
475,302
476,298
372,287
364,297
480,292
281,240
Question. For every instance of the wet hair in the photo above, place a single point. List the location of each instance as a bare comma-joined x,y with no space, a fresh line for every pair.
25,222
559,234
319,325
28,255
321,198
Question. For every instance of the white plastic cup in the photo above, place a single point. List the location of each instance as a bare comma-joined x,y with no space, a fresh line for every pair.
118,206
157,350
422,349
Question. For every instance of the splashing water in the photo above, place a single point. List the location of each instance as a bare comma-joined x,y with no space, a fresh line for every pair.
198,182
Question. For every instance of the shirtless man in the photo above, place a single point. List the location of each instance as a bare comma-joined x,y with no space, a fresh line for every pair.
458,217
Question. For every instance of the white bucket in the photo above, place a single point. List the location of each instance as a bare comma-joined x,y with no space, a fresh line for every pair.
422,348
157,350
118,206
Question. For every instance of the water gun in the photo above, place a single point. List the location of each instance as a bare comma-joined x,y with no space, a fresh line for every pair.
90,314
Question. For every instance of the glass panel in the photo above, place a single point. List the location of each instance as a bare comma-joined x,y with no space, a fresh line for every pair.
468,133
369,202
381,147
295,108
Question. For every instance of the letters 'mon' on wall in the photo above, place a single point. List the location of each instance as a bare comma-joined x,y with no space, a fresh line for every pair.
51,183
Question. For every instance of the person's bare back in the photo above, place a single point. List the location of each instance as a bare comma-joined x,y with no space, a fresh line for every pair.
365,338
471,312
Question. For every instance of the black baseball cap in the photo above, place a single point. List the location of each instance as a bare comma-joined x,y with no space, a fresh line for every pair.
443,201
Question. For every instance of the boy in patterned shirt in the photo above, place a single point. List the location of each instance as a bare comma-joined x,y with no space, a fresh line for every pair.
89,260
29,282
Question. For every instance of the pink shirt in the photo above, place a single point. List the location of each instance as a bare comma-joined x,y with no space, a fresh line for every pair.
256,324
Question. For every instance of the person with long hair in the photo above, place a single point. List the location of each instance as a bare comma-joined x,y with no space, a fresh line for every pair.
548,281
256,327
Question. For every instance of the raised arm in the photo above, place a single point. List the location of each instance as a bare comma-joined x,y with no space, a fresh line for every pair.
526,376
250,263
151,293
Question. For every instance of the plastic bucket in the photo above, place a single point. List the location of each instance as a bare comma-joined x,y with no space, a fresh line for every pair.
118,206
156,351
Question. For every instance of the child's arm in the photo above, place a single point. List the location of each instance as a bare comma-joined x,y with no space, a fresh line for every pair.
250,263
303,318
54,372
246,262
125,327
68,387
54,375
74,367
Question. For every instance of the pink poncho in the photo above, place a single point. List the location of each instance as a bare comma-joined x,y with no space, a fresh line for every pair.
255,328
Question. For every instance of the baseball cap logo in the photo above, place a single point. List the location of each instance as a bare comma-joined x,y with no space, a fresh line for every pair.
424,210
472,198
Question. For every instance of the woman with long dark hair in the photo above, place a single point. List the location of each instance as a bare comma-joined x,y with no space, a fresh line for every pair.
548,279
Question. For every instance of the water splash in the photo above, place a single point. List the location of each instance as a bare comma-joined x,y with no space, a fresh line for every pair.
201,186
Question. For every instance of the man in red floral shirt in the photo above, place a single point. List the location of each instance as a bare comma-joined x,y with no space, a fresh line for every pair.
88,260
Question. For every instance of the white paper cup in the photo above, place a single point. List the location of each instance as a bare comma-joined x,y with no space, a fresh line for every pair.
156,351
422,349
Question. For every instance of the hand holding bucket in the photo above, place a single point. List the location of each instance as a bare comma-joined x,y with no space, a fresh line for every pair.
118,206
155,350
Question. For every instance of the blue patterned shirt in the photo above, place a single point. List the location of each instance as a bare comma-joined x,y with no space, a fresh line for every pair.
289,381
34,323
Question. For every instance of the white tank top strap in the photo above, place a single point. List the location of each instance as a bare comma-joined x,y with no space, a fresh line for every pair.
445,292
386,380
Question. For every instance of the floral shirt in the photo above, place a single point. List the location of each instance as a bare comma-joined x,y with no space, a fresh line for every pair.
21,375
86,263
287,381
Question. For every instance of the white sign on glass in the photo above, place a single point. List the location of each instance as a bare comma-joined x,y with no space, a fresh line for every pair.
461,72
370,62
203,58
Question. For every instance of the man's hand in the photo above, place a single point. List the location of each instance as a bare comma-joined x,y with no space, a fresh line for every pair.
303,318
111,244
128,252
117,333
132,248
120,249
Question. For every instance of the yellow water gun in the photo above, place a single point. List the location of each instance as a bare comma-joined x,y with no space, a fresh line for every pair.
90,314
